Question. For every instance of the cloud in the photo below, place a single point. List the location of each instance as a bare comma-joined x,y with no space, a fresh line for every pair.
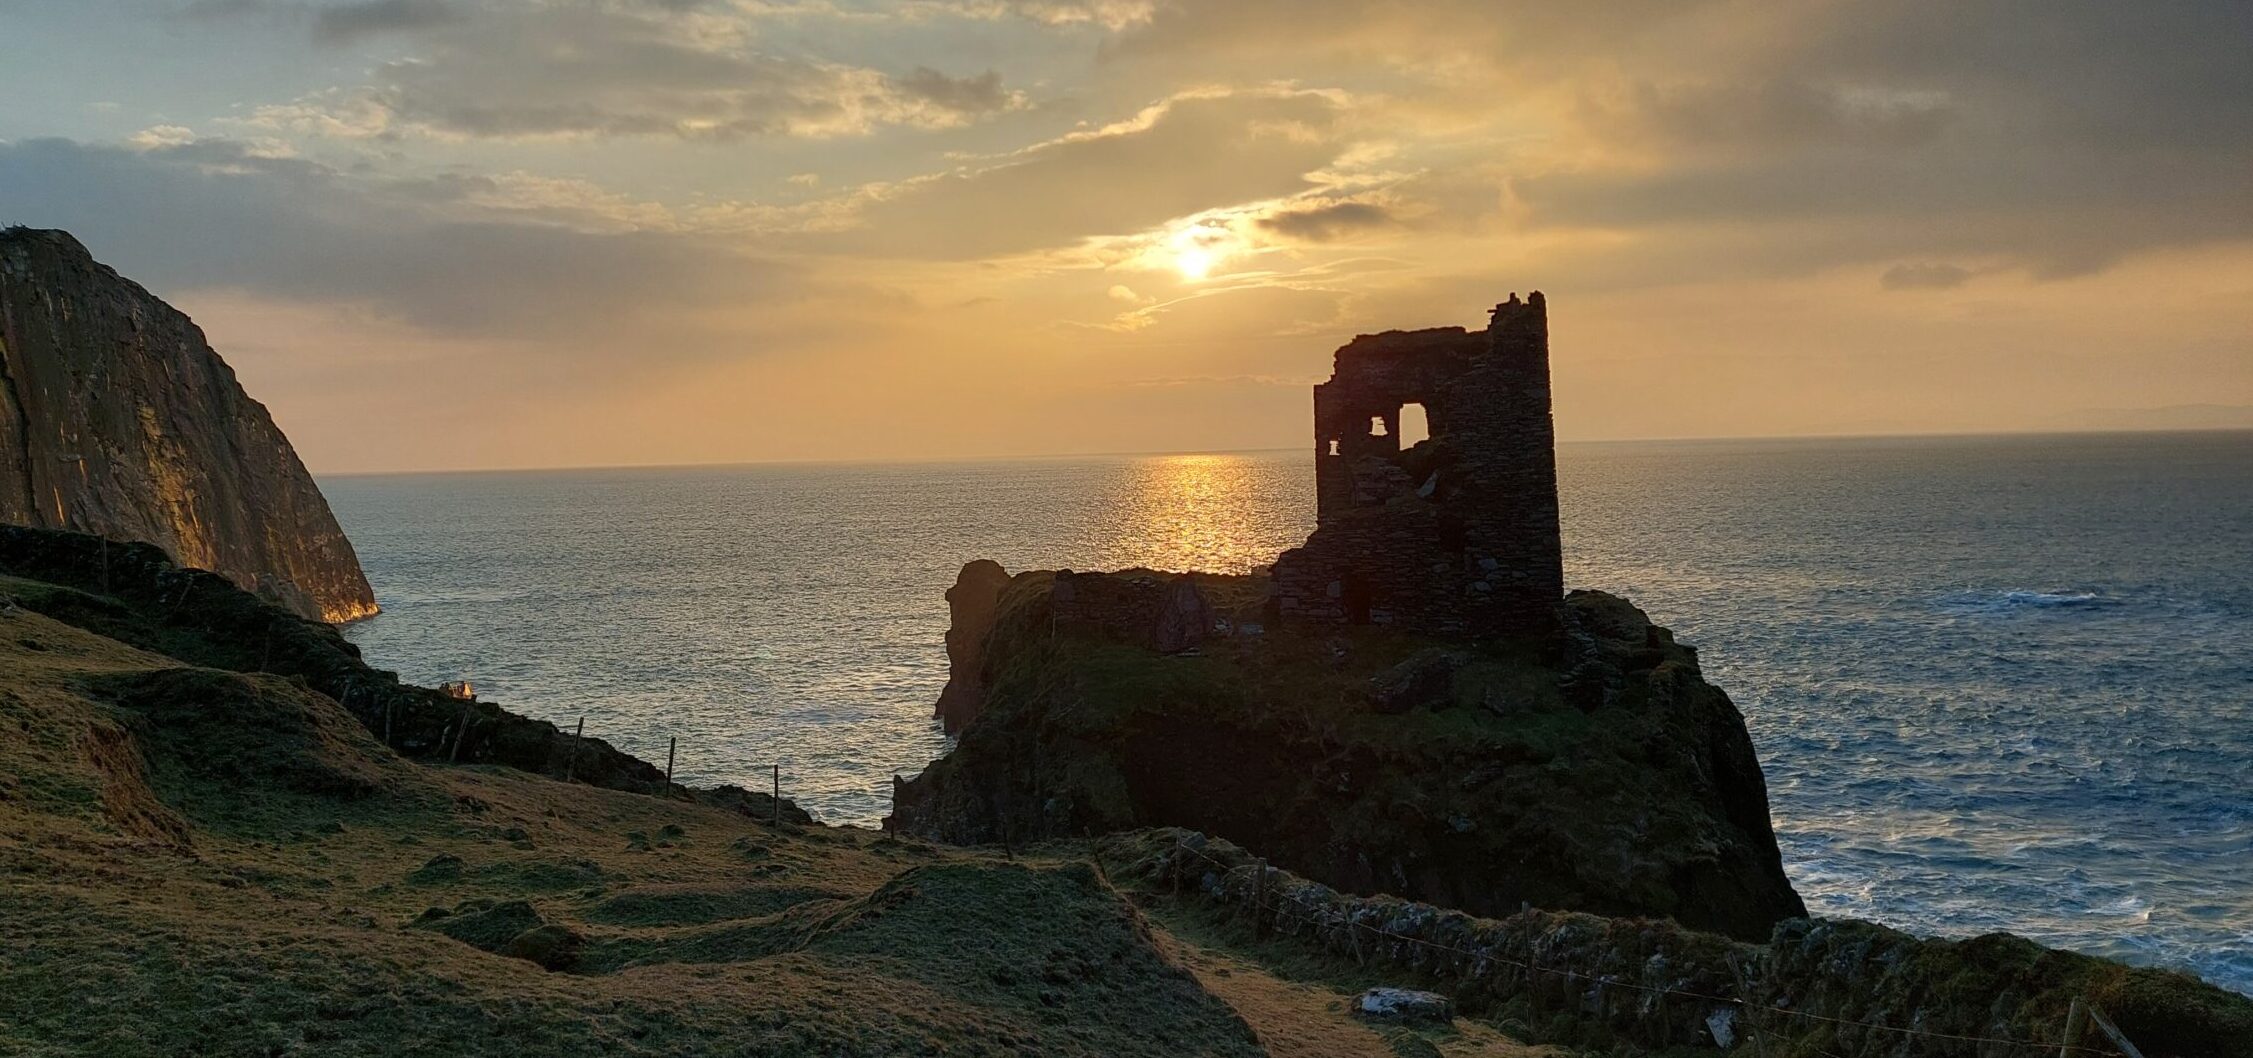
1924,277
1110,14
433,254
1770,112
1326,223
612,70
1796,138
362,18
1182,156
982,94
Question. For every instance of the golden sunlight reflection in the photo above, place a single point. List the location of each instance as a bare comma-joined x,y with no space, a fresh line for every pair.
1202,512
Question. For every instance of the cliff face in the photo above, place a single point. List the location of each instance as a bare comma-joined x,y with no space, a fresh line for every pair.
118,419
1594,770
970,608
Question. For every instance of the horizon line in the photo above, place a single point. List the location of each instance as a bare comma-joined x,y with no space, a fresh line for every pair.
1043,456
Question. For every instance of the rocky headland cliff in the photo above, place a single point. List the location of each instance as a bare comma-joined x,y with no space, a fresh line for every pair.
1594,772
118,419
1406,748
1408,704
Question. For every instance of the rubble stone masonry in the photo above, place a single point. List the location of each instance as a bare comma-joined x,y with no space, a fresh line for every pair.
1456,535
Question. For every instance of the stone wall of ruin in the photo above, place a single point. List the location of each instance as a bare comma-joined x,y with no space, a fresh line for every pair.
1457,535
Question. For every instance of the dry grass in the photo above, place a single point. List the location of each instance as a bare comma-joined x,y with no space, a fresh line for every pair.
1300,1018
195,862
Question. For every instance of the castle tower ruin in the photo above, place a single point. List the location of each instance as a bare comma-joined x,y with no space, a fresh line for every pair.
1456,535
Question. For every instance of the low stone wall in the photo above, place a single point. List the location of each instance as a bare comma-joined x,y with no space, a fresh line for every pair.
1840,988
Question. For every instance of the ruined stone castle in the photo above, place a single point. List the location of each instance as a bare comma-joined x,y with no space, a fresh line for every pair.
1457,534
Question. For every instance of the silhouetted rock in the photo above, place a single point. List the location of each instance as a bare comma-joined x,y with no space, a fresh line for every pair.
117,419
1599,771
553,947
1426,679
971,605
1335,755
1185,619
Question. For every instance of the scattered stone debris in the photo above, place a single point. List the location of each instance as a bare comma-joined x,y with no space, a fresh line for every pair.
1426,679
512,928
1722,1023
1404,1006
441,868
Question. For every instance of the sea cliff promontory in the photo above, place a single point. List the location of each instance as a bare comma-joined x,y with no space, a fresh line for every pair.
1596,771
118,419
1408,704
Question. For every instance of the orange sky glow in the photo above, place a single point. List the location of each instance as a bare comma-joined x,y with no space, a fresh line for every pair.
458,234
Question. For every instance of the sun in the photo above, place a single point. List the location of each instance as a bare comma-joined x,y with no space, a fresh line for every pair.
1195,262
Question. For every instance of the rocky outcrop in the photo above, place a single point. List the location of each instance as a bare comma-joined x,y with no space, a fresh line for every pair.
1169,613
118,419
1406,704
1596,772
971,606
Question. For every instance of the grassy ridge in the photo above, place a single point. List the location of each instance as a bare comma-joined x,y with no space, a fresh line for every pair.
202,861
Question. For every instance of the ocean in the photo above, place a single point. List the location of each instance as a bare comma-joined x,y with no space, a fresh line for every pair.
1997,683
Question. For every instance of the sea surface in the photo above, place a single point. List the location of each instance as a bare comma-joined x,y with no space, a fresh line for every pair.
2000,683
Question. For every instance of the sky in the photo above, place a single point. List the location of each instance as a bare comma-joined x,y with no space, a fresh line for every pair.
452,234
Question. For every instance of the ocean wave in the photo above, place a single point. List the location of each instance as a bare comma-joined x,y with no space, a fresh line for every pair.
2016,600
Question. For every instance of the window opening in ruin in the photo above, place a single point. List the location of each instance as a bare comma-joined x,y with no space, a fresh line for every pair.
1333,448
1376,426
1415,425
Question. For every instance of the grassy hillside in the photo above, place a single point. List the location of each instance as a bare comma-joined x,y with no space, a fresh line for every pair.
202,861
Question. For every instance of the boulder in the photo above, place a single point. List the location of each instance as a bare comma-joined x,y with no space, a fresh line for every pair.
1403,1006
1185,619
551,946
1427,679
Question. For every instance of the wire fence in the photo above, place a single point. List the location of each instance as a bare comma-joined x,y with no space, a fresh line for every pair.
2059,1047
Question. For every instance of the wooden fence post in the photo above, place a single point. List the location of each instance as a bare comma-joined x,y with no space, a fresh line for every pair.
672,746
776,796
2076,1021
571,762
460,737
1259,897
2105,1025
